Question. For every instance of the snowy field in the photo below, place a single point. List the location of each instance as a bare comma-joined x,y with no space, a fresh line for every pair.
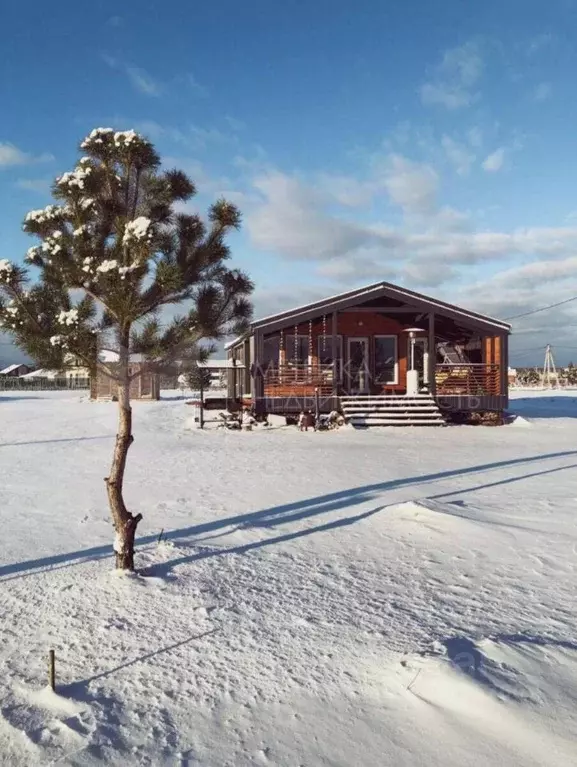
394,597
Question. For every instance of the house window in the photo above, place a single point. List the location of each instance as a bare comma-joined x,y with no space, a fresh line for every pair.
271,352
325,351
386,360
296,353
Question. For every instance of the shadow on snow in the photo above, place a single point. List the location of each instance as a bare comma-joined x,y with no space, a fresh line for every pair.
53,441
287,513
544,407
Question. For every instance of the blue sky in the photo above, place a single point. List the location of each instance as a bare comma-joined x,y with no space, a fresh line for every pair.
431,144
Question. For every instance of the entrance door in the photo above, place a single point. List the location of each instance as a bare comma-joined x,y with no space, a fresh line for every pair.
358,365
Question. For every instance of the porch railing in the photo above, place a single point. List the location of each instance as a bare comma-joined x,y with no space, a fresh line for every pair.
299,376
468,378
456,378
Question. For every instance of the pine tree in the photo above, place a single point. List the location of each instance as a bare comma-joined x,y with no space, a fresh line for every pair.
113,254
198,378
570,374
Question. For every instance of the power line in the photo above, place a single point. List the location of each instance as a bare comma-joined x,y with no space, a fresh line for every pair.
515,352
541,348
542,309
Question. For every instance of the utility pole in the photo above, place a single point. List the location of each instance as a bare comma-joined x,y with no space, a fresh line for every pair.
550,379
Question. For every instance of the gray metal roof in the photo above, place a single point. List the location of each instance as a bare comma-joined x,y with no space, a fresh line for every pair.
382,289
368,292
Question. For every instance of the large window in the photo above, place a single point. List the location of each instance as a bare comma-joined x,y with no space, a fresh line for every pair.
326,355
325,349
296,352
386,360
271,349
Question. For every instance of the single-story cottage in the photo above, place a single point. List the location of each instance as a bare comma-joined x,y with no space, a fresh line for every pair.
363,346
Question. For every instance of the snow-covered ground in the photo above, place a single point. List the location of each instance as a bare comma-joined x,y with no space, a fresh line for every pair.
387,597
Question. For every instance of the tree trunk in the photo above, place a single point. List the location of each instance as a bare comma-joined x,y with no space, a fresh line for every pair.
124,522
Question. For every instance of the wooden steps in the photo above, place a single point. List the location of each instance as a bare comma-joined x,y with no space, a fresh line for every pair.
394,410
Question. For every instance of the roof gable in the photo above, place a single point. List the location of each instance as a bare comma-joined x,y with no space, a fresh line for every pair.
384,290
12,368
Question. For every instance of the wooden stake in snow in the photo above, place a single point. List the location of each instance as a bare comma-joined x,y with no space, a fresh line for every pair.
414,680
52,670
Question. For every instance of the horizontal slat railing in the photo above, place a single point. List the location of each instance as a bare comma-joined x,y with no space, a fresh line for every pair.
283,379
468,378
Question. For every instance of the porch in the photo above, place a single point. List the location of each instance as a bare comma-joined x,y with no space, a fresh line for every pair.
453,386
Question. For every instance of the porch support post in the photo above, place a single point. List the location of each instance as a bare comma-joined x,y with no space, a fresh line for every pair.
257,371
246,372
432,360
233,376
504,361
230,390
335,349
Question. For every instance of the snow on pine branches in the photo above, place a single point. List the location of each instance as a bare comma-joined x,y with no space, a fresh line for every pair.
138,230
6,270
112,253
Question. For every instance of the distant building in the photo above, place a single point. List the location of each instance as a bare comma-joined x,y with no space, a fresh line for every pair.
218,371
15,371
70,374
145,383
50,375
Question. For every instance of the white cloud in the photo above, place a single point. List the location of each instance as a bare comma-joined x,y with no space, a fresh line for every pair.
153,130
213,185
532,274
40,185
11,155
458,155
448,219
453,82
192,137
412,186
523,289
204,136
494,162
475,136
291,220
138,77
361,268
542,92
234,123
198,88
347,190
449,96
143,82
